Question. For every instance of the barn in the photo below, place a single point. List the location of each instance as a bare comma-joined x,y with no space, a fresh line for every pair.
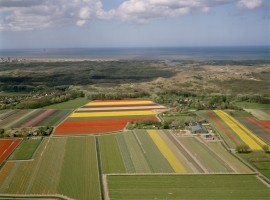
196,127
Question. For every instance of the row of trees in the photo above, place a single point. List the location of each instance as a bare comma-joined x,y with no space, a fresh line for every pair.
58,96
244,148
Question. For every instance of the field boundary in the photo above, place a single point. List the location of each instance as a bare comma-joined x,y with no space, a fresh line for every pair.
32,155
105,186
34,196
188,152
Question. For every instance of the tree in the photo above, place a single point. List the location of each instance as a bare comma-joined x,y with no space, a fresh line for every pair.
265,148
2,131
242,148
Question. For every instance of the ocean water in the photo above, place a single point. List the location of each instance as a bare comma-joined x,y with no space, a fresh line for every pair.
163,53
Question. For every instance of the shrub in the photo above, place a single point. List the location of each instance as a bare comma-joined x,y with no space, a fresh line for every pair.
265,148
242,148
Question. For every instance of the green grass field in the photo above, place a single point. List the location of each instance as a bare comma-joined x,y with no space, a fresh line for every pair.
111,158
262,165
187,187
25,150
71,104
251,105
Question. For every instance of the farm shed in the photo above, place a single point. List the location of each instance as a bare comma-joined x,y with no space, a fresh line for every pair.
197,128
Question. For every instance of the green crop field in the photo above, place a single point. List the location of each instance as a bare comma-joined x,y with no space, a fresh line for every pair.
125,154
79,176
231,160
26,149
158,163
138,159
65,166
56,118
210,161
187,187
71,104
179,154
192,164
111,158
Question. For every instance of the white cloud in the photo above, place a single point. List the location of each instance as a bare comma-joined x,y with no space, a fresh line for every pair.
80,22
205,9
38,14
85,13
249,4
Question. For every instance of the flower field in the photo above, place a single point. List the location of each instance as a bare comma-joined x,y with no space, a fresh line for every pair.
7,147
107,116
33,118
258,127
259,114
65,166
166,152
150,151
246,135
228,135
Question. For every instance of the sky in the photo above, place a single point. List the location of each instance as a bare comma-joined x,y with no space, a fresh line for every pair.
133,23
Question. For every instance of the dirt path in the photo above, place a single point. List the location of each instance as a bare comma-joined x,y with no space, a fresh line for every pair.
190,154
105,187
20,196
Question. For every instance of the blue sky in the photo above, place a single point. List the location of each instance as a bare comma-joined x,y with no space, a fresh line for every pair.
133,23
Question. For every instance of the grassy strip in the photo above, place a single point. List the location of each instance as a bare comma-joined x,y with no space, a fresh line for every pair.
187,187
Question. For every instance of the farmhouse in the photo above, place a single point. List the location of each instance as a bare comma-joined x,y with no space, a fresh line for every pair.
197,128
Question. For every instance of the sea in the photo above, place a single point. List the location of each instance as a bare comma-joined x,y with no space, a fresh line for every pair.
151,53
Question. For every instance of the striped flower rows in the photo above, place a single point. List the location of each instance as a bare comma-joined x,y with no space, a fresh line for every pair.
246,135
33,118
166,152
7,147
103,116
